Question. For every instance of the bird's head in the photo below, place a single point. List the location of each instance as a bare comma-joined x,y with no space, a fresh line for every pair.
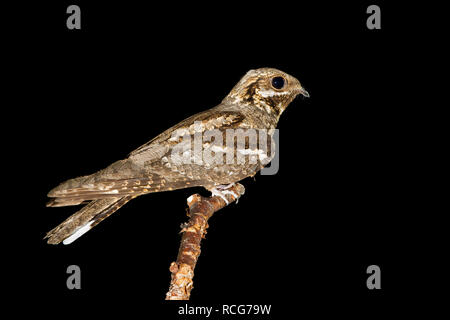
270,89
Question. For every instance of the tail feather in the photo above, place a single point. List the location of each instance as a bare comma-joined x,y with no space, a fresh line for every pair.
81,199
111,188
62,202
85,219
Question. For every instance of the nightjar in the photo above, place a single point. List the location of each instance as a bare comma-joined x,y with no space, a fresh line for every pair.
180,157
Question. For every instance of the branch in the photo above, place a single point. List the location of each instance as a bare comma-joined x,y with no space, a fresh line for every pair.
200,210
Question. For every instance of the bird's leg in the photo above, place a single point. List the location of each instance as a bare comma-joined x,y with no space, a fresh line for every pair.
222,190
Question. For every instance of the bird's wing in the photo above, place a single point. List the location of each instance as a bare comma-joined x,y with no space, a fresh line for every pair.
210,119
109,183
146,170
85,219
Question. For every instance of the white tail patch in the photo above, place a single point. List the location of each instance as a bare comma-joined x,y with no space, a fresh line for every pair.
78,233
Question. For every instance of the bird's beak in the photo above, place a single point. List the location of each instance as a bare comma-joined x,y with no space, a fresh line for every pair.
304,92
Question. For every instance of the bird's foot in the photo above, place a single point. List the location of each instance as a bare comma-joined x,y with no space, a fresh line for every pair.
222,191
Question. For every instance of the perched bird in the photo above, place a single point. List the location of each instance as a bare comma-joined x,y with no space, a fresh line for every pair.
256,102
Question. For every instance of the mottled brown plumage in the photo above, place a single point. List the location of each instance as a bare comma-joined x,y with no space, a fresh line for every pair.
256,102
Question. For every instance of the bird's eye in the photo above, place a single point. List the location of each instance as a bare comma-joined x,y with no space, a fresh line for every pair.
278,82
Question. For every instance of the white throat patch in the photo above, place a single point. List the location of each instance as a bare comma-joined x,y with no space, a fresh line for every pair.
271,93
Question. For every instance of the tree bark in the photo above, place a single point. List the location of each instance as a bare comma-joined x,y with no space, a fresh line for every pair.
200,210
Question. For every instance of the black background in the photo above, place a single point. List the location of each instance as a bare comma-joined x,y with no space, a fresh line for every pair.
300,240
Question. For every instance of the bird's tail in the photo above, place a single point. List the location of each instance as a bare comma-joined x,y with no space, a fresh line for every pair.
85,219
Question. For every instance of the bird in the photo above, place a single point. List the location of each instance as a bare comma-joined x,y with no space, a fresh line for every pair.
256,102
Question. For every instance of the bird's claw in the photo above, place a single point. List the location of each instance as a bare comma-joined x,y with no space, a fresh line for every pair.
222,190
